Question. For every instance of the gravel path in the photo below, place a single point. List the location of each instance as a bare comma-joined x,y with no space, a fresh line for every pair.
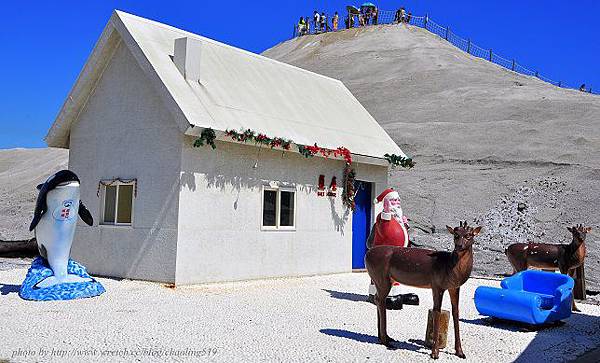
321,318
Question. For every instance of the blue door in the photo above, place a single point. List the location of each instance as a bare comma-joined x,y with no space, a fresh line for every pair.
361,223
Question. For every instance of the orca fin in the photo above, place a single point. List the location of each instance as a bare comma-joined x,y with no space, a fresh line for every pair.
85,214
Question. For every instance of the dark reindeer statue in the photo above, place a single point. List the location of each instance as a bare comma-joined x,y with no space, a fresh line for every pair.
424,268
567,258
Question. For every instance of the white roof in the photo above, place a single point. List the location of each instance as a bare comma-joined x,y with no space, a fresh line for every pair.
237,90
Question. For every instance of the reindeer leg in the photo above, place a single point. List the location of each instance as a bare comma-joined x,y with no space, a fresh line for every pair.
438,295
454,295
383,289
573,306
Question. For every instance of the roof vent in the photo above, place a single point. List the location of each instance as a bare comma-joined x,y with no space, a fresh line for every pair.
187,57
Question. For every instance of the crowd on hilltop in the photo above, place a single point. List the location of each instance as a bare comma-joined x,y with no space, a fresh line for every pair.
366,15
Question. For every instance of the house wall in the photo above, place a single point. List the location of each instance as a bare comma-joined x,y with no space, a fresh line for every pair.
220,236
125,131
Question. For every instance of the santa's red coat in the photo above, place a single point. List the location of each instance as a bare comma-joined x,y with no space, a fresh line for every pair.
390,233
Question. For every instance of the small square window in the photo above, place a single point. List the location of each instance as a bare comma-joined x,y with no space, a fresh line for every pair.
117,206
278,208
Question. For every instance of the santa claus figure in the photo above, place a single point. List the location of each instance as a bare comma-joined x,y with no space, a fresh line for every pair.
391,229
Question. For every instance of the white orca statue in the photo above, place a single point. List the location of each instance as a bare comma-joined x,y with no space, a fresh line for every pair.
54,221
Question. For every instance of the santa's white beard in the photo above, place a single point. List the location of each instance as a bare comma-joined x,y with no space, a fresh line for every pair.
396,212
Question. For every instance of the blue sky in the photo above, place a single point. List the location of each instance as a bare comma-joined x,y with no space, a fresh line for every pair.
45,43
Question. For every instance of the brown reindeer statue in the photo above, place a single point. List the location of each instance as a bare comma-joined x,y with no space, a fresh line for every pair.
424,268
567,258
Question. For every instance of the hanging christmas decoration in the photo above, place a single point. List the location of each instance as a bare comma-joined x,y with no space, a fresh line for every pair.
348,194
262,139
332,188
396,160
321,186
108,183
310,151
207,137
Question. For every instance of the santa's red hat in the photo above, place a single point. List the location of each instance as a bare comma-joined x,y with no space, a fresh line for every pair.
389,193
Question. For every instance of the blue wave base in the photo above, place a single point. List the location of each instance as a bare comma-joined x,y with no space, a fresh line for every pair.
40,270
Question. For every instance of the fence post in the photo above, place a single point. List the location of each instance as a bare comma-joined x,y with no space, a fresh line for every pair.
469,46
425,22
491,54
447,30
559,83
537,74
513,65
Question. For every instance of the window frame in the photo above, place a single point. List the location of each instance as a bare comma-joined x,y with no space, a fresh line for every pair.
277,226
117,183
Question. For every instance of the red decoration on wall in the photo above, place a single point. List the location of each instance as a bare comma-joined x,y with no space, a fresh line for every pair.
321,190
332,188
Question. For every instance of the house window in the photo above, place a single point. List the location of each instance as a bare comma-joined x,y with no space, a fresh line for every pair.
278,208
117,206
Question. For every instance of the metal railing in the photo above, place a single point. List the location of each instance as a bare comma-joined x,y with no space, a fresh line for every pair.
466,45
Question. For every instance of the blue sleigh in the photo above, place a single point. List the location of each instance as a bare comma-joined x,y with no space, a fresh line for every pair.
533,297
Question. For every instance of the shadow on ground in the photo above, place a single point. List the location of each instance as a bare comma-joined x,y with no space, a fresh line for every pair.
346,295
6,289
412,345
564,340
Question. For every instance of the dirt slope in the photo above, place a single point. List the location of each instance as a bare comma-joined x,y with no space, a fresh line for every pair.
494,147
20,171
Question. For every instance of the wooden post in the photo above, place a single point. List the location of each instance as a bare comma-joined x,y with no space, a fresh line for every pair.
537,74
579,289
559,83
425,21
513,65
491,54
469,46
447,30
443,330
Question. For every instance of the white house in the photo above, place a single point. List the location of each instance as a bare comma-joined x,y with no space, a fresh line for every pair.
168,211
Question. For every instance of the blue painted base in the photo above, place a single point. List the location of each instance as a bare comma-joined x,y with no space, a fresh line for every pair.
40,270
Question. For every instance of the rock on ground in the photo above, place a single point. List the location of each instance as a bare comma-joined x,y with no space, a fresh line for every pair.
485,139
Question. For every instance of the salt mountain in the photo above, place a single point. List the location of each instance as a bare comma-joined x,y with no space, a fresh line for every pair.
508,151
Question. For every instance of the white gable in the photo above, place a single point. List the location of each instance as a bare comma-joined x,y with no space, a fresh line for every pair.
239,90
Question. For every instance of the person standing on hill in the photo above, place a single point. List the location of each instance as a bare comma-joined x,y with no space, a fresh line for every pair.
316,21
324,24
335,21
402,15
375,15
408,17
301,26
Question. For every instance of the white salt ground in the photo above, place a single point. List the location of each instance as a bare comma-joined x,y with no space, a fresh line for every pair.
320,318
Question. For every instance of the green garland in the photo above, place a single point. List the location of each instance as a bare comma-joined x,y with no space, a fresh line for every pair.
207,137
396,160
249,135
